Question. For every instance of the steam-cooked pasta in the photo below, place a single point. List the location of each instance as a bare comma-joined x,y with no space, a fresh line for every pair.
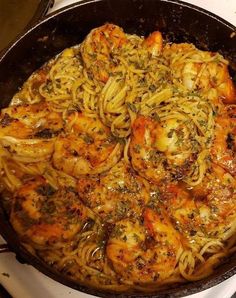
119,157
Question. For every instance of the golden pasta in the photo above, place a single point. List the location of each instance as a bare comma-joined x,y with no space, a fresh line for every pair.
118,156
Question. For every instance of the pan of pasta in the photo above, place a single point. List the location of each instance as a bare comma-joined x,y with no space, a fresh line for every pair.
118,148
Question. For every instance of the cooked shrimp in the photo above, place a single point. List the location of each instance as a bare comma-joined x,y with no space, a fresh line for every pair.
98,47
27,132
217,191
30,121
156,147
183,211
206,208
217,76
144,254
213,76
27,150
118,194
88,148
154,43
201,71
46,216
223,150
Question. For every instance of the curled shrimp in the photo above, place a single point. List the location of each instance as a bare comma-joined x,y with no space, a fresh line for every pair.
98,47
201,71
214,76
182,210
28,132
30,121
144,253
45,216
223,150
217,194
156,147
117,194
154,43
87,147
203,210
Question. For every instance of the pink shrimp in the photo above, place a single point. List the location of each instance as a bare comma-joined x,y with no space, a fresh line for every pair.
97,48
154,43
223,150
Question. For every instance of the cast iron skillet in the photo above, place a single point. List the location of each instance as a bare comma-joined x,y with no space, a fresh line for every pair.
18,21
179,22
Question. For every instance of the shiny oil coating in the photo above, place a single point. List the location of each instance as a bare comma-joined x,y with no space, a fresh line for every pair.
147,220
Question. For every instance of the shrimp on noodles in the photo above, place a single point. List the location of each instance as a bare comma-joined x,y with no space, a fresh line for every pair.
28,132
223,150
118,162
144,253
46,216
87,147
118,194
154,43
154,148
98,47
205,210
202,71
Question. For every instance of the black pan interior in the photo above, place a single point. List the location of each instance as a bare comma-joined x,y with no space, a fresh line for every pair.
16,15
179,22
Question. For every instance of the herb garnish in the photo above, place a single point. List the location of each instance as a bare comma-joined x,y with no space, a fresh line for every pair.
45,190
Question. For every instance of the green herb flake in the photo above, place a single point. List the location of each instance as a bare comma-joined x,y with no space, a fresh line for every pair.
154,156
214,209
100,131
45,190
137,148
152,88
132,107
170,133
118,231
136,237
88,139
202,122
115,139
124,238
156,117
48,207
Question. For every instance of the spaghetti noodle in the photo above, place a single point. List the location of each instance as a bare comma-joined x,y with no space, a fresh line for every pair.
119,155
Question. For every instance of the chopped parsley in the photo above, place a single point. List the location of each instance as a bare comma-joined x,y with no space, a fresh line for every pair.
87,139
132,107
46,133
45,190
137,148
156,117
118,231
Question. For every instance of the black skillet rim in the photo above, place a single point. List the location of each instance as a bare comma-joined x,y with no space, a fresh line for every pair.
40,12
25,257
42,9
85,2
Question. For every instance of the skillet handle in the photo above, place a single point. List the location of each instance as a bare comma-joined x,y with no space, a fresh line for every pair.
4,248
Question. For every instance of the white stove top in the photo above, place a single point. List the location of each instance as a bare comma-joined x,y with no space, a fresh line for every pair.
23,281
